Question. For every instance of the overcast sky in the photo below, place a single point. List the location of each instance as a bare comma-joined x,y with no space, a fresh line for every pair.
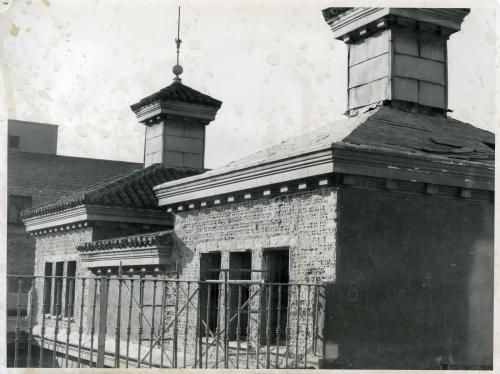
277,69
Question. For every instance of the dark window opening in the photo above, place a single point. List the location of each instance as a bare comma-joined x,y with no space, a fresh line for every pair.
239,263
58,288
47,290
70,289
210,264
275,264
14,142
16,205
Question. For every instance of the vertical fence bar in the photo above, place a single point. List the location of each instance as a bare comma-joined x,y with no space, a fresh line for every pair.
53,292
228,324
268,327
118,322
207,324
17,329
176,324
278,328
225,320
186,321
69,312
315,319
64,289
30,327
103,314
308,311
152,327
141,316
249,319
162,323
64,312
217,328
92,328
316,313
259,326
297,328
56,327
198,323
80,326
42,332
129,322
287,328
238,329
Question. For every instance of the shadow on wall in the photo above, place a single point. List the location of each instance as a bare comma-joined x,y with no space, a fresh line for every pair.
414,283
183,255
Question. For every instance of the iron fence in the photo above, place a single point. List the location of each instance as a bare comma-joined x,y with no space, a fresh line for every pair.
154,321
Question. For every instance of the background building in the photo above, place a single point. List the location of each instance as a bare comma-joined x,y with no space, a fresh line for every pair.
37,174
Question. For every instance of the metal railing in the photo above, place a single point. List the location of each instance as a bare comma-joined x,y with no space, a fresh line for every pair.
153,321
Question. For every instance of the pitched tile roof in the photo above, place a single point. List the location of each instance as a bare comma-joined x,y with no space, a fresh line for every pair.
132,190
391,129
178,92
132,241
383,128
434,135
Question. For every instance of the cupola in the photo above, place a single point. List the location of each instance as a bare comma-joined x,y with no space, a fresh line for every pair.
176,118
396,55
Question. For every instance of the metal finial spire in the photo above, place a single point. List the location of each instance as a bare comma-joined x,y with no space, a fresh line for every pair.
177,69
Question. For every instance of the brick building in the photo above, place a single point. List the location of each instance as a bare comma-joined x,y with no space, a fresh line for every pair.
391,208
36,175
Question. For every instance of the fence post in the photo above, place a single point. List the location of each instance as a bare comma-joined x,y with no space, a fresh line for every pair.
200,343
103,313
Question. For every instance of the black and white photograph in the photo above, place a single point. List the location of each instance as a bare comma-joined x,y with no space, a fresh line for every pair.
248,184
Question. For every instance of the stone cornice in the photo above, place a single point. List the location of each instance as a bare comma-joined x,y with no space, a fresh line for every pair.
85,213
347,24
335,181
327,167
146,256
156,239
299,167
343,23
157,110
393,164
138,250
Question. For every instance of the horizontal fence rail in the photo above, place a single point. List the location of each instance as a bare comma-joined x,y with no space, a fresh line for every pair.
154,321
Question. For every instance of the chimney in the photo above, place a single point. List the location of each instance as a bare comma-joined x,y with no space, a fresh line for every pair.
175,119
396,56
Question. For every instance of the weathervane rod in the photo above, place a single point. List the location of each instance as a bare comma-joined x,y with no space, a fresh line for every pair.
178,41
177,70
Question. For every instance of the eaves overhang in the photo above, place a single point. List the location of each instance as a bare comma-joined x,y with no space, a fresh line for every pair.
67,219
304,166
341,159
157,110
415,167
346,23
